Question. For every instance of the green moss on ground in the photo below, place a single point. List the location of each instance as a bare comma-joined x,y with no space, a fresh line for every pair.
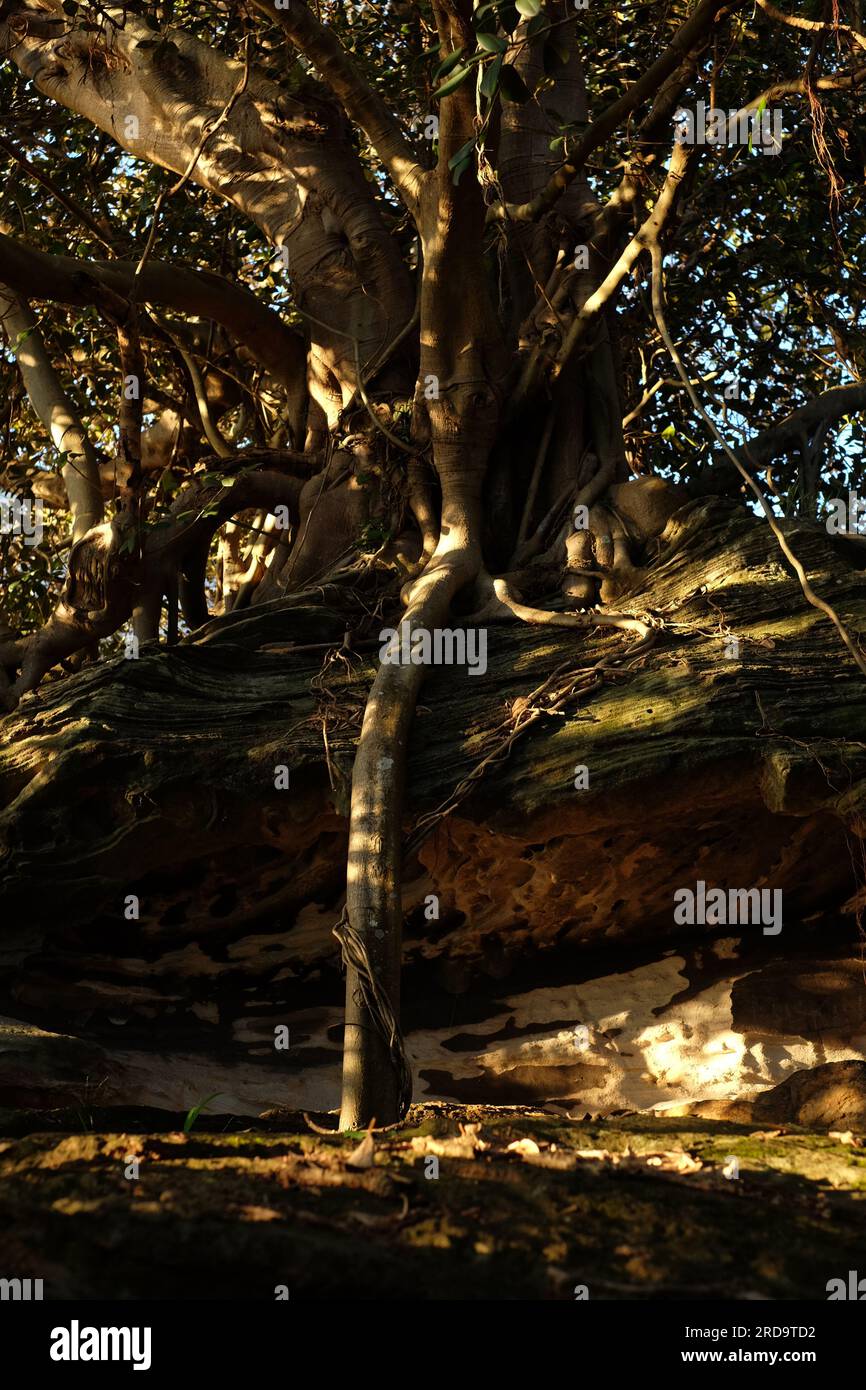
632,1207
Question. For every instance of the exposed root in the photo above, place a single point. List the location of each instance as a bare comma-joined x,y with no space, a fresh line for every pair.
374,1069
558,690
372,1084
377,1007
502,603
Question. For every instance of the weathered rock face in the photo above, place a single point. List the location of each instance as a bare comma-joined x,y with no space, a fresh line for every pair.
732,754
725,1019
831,1097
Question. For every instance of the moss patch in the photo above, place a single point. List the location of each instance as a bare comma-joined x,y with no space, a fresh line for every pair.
632,1207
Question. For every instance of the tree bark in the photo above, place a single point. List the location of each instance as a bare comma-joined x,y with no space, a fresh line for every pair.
52,405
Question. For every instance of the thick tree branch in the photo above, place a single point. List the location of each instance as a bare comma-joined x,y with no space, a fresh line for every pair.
360,101
640,242
652,132
824,409
285,159
202,293
795,21
50,401
688,37
801,86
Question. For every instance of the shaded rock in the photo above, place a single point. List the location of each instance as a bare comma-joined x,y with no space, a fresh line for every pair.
620,1030
739,763
828,1097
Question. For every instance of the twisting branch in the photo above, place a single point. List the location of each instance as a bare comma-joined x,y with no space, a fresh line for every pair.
65,199
802,86
653,128
688,37
795,21
360,101
642,239
69,280
53,406
211,432
123,315
823,410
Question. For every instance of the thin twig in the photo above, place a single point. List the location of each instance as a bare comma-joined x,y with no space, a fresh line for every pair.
808,592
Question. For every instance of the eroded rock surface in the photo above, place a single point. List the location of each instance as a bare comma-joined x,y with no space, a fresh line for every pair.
732,754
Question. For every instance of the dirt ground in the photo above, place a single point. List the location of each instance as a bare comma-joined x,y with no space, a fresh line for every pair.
526,1205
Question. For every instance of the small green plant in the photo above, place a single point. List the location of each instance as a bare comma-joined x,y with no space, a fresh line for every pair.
193,1114
373,537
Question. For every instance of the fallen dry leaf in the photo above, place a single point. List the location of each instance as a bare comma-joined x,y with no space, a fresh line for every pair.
523,1146
472,1132
462,1146
374,1222
846,1136
256,1213
675,1161
364,1155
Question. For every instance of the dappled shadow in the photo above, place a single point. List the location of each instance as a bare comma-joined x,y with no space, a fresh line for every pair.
459,1202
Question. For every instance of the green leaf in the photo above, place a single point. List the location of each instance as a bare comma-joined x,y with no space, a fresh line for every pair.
451,83
490,80
537,25
528,8
513,86
493,43
448,63
668,432
460,161
193,1114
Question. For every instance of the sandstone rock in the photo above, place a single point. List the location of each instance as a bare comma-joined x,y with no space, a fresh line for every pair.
829,1097
738,764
